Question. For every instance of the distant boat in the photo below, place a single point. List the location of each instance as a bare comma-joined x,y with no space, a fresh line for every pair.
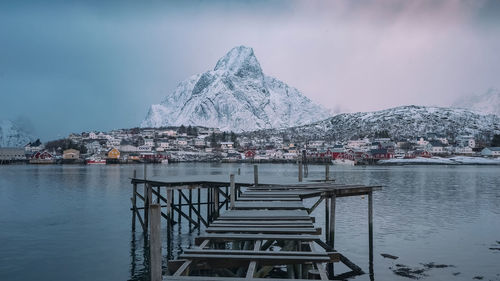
93,160
164,161
343,161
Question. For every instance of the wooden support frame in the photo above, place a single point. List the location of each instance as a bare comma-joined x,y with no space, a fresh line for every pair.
264,229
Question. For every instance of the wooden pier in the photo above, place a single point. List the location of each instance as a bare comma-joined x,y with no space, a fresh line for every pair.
252,231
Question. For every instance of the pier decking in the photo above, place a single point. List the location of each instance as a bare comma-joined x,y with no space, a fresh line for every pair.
266,230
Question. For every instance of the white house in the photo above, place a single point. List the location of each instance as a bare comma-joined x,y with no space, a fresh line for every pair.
149,142
435,147
491,151
422,142
12,153
466,141
182,142
113,142
128,148
226,145
358,143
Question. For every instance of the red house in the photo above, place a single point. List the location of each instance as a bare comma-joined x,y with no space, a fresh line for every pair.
250,154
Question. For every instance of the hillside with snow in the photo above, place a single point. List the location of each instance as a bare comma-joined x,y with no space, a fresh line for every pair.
12,135
235,96
404,122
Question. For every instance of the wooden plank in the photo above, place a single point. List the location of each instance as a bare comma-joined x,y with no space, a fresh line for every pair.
262,222
241,236
253,264
332,255
210,278
183,268
262,199
291,205
264,259
310,225
265,214
265,230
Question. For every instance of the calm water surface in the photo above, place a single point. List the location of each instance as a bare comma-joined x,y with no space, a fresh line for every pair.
74,222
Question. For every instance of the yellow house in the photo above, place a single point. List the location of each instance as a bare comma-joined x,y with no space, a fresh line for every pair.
71,154
114,154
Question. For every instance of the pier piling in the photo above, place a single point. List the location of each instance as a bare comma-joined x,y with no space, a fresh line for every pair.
256,175
155,242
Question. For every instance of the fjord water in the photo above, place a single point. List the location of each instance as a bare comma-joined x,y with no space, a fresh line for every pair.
74,222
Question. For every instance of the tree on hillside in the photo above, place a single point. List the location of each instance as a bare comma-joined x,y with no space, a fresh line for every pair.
496,141
181,130
213,140
234,139
62,144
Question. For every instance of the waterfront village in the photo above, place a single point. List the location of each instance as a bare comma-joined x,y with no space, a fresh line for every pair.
177,144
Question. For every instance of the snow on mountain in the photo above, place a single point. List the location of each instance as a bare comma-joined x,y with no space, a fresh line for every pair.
237,96
404,122
487,103
12,135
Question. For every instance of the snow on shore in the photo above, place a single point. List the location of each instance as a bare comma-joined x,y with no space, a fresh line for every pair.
456,160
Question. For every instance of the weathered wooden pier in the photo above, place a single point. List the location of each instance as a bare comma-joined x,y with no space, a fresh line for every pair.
251,231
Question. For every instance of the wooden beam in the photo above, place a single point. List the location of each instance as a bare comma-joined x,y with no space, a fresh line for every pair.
233,191
155,243
255,175
134,202
253,264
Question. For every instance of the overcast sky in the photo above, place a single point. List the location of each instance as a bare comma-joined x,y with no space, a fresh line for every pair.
98,65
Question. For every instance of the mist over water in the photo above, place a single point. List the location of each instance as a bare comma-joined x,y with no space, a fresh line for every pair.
61,222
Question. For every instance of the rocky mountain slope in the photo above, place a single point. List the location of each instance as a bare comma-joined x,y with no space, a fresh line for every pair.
235,96
12,135
404,122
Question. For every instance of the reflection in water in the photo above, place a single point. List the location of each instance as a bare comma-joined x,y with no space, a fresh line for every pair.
139,266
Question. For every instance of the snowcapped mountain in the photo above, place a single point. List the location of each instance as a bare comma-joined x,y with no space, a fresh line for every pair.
488,103
401,123
237,96
12,135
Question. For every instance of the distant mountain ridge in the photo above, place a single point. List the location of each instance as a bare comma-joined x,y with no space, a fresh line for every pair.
404,122
12,135
487,103
237,96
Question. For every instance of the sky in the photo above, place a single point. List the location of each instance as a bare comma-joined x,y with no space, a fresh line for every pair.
73,66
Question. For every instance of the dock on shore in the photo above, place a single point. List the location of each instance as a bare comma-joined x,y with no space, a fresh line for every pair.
265,231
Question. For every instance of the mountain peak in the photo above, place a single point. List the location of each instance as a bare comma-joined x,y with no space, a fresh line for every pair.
240,61
235,96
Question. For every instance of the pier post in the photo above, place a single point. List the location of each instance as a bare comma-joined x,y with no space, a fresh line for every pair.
179,202
256,175
370,225
199,208
190,208
170,199
227,202
155,243
147,201
134,202
331,229
233,191
327,219
300,171
327,172
216,202
208,204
